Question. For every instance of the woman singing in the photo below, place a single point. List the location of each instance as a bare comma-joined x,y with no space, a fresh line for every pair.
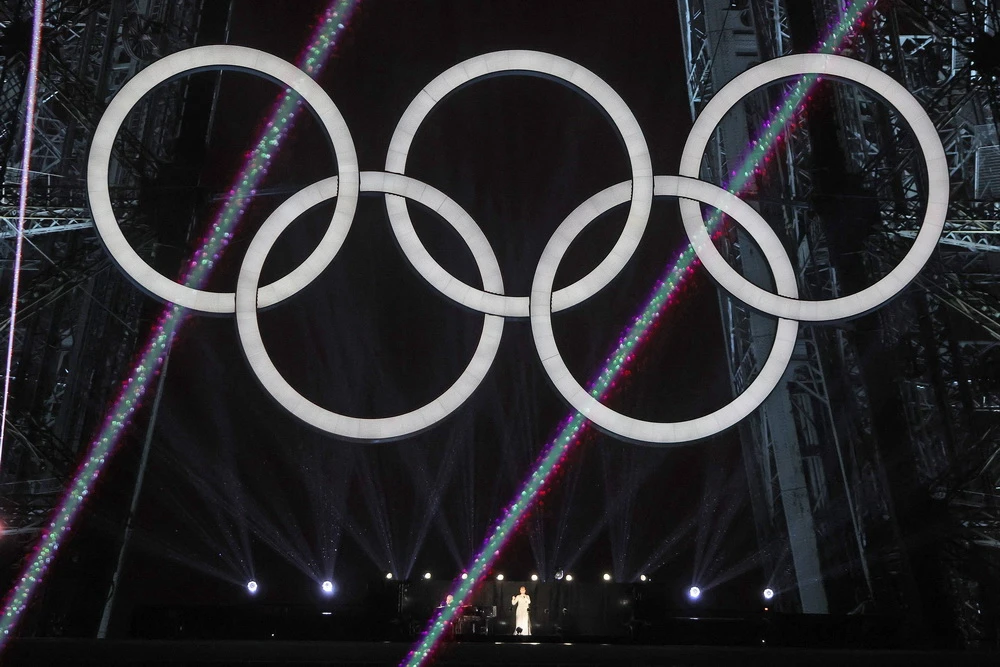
521,603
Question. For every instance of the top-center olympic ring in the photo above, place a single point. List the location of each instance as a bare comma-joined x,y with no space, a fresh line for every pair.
491,300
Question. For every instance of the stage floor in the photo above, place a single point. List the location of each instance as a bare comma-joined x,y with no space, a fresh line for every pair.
509,652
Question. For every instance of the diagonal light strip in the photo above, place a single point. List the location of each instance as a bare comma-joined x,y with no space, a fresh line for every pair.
312,61
22,204
629,343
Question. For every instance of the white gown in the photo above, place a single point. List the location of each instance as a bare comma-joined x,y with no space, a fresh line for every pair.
521,619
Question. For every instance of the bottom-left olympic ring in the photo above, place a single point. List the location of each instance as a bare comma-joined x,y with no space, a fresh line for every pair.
344,426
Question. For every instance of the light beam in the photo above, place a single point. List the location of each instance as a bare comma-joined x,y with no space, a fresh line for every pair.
22,204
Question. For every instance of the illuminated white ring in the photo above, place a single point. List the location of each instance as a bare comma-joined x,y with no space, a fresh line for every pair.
211,57
937,187
638,430
563,70
355,428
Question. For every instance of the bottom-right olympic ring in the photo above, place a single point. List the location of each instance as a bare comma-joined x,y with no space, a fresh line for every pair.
638,430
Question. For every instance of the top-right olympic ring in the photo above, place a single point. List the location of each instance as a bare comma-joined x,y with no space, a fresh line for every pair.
491,300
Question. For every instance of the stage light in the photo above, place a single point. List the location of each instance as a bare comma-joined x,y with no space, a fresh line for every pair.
327,587
534,577
559,575
427,575
694,592
252,586
465,575
642,577
569,577
768,593
499,577
388,575
607,577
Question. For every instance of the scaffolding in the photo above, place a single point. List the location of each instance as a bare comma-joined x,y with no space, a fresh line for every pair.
78,317
888,425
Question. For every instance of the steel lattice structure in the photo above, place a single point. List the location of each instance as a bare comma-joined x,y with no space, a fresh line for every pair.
78,317
887,426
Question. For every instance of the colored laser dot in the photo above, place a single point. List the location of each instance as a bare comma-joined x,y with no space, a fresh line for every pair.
22,204
316,55
575,425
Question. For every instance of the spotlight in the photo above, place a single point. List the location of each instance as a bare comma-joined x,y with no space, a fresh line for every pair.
327,587
694,592
252,586
427,575
465,575
534,577
607,577
388,575
499,577
559,575
642,577
569,577
768,593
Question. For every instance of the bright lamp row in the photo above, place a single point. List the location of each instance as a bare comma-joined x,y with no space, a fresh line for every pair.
694,592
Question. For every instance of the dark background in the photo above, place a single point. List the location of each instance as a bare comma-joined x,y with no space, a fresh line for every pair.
236,488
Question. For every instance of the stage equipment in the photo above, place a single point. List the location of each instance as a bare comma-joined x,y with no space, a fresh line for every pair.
491,301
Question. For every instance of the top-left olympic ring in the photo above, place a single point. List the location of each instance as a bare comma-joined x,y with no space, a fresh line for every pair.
349,182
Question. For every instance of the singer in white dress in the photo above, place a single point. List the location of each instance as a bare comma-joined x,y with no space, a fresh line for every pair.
521,603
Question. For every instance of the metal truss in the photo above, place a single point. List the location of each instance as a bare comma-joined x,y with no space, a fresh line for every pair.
945,330
78,318
832,435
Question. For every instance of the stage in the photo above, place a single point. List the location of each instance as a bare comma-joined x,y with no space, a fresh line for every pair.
492,652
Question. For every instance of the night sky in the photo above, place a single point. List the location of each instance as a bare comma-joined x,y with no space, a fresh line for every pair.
237,487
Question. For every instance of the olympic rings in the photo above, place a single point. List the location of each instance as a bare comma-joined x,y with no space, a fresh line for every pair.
638,430
937,187
560,69
354,428
491,300
203,57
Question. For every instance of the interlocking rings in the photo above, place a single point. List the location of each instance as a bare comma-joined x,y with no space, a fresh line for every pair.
491,300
